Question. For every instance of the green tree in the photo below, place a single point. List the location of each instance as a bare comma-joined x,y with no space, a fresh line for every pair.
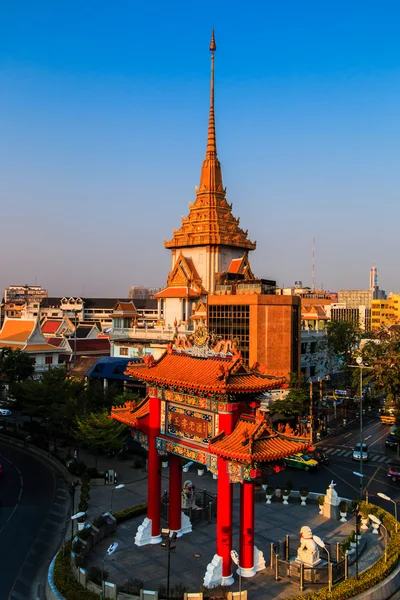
343,338
383,354
99,433
297,401
15,365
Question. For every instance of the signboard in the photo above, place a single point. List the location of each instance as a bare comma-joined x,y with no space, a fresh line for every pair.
193,425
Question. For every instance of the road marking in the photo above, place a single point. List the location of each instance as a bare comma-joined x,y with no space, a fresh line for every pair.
348,453
374,457
382,459
367,438
347,435
329,450
336,476
342,452
382,436
335,451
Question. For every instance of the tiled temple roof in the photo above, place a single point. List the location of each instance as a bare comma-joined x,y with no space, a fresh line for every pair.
131,412
254,440
220,374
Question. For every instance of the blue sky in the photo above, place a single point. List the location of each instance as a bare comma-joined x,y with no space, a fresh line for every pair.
103,120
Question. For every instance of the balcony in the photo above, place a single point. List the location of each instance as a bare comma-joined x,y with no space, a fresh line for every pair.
142,333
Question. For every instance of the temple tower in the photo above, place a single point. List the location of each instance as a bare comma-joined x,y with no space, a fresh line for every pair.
210,237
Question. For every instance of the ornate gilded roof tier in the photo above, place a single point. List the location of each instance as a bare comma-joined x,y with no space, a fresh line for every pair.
210,220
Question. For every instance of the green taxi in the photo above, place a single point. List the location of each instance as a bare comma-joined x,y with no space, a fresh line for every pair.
301,461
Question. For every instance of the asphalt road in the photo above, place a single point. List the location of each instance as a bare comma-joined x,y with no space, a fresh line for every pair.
32,506
338,449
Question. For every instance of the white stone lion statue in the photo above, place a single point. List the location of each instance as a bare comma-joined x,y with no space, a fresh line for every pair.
306,539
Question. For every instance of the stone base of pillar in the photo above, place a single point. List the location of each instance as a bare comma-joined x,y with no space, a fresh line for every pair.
143,535
213,576
259,560
227,580
249,572
186,526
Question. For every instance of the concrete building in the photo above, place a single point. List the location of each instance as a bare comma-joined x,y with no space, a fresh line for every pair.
385,312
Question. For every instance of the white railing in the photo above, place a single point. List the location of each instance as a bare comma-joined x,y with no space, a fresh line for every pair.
153,333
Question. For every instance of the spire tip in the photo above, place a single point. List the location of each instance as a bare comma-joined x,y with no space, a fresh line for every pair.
213,45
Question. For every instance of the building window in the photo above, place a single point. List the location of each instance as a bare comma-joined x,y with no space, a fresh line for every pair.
123,351
312,371
303,348
48,360
313,347
231,322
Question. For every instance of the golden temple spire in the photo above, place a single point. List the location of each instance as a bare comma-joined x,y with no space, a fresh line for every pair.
211,141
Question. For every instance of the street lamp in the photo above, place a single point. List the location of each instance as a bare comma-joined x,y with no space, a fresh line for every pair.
361,476
375,519
390,500
321,544
235,558
117,487
357,507
168,536
110,550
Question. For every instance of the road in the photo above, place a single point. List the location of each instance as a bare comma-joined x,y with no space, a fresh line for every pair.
32,503
338,449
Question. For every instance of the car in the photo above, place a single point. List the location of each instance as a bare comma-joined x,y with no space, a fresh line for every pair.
320,457
357,452
5,412
392,440
301,461
394,472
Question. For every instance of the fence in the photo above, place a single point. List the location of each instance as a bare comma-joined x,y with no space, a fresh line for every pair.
284,565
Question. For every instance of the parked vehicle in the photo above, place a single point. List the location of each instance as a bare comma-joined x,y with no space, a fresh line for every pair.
320,457
357,452
301,461
394,472
5,412
392,440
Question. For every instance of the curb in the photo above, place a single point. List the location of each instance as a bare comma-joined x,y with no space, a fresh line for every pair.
52,592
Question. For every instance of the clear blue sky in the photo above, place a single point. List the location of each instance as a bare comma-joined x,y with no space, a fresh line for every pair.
103,121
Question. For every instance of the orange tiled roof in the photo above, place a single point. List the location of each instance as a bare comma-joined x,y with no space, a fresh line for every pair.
235,265
253,440
40,348
50,326
223,375
177,292
11,346
131,412
17,330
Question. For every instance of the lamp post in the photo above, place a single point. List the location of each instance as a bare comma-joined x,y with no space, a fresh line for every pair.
357,522
117,487
72,487
384,497
360,365
321,544
110,550
235,559
166,534
375,519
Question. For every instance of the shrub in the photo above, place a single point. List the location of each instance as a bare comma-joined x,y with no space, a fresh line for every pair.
85,479
343,506
132,586
176,592
270,490
286,491
84,534
100,521
219,592
304,491
129,513
94,574
77,547
65,581
288,485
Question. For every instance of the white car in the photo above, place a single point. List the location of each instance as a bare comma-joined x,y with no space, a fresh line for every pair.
5,412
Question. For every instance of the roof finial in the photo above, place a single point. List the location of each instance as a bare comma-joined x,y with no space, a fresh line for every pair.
213,45
211,142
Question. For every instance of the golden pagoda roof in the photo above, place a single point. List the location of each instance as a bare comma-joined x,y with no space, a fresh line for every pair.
210,220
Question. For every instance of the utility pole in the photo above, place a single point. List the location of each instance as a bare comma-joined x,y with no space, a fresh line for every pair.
311,412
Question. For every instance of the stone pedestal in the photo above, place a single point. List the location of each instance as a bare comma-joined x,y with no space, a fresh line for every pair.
331,512
144,535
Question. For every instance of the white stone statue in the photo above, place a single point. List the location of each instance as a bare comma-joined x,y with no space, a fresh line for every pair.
331,496
188,498
307,552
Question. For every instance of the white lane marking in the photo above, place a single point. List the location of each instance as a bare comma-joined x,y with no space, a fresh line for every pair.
335,451
370,480
347,435
342,452
374,457
348,453
384,435
329,450
382,459
339,477
20,492
367,438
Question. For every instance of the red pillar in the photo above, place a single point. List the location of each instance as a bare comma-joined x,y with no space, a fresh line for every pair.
224,503
154,471
175,488
224,518
246,554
